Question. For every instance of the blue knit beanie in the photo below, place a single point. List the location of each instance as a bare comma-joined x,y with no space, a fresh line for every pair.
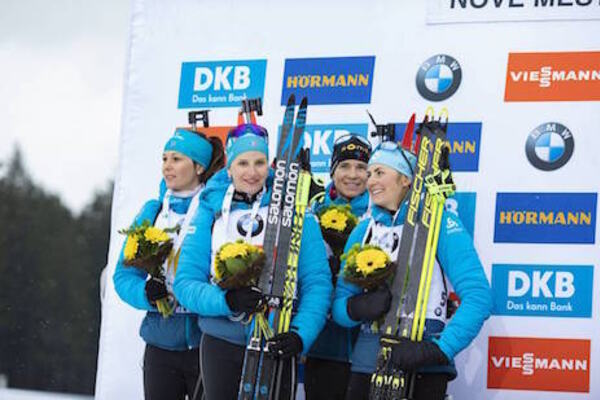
192,145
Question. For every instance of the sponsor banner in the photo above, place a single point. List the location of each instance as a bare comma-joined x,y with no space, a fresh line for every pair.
457,11
220,83
320,139
543,290
545,218
335,80
463,205
438,77
549,146
561,365
464,139
559,76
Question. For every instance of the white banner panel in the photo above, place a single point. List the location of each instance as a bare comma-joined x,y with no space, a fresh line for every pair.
455,11
524,154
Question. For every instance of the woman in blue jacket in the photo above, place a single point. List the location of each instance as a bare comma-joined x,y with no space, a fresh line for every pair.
171,367
390,174
234,206
327,367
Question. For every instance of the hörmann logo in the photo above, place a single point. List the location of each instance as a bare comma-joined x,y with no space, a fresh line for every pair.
339,80
545,218
220,83
561,365
560,76
439,77
464,139
549,146
320,139
543,290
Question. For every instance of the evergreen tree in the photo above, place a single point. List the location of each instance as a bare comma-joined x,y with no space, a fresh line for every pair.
50,263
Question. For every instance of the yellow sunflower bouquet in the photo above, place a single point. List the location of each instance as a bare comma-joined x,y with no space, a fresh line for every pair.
367,266
147,248
238,264
337,221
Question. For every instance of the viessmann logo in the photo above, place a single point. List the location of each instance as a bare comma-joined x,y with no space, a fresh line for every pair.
561,365
560,76
545,218
334,80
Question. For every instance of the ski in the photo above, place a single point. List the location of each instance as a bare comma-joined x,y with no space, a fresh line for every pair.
415,260
254,347
268,369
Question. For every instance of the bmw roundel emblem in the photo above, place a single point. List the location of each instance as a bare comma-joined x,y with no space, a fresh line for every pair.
439,77
244,223
549,146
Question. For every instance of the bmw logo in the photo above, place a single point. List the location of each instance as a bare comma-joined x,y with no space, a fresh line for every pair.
549,146
244,224
439,77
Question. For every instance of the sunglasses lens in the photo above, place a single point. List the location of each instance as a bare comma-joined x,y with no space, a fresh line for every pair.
246,129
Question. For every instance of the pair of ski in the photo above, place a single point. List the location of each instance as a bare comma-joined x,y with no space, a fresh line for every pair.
262,371
416,257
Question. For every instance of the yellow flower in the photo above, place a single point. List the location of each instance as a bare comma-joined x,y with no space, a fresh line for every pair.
232,250
334,219
369,260
131,247
156,235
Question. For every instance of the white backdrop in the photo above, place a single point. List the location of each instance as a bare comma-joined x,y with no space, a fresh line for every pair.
396,33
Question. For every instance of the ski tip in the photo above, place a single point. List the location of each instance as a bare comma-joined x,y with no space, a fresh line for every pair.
304,102
407,140
291,100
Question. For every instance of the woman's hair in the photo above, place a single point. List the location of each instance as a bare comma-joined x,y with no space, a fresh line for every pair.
217,161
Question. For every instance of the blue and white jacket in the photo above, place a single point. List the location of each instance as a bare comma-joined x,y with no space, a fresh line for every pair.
457,258
196,290
334,341
178,332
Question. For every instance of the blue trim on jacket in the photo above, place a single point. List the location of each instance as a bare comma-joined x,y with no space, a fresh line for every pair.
460,263
179,331
194,290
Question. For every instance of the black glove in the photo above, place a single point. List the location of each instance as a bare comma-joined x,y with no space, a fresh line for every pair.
156,290
444,162
410,356
370,306
246,299
285,345
304,159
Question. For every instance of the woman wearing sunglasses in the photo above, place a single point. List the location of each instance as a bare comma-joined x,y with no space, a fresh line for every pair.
390,175
327,366
171,366
234,206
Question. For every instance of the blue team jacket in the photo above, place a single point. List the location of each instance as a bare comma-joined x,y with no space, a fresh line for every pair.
461,265
334,341
179,331
195,291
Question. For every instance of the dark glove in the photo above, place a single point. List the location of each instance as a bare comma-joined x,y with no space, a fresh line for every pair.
444,162
304,159
285,345
246,299
156,290
410,356
369,306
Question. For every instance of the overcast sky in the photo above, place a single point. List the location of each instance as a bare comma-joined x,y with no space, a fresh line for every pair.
62,63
